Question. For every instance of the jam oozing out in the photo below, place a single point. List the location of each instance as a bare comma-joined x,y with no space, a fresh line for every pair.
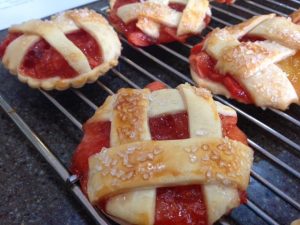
137,37
243,197
174,205
96,136
231,130
291,66
204,66
156,85
43,61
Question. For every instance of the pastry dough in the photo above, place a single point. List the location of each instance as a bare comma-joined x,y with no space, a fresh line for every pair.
151,14
190,21
151,164
255,65
127,173
54,33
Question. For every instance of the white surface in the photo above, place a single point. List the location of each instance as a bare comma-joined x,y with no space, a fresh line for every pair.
17,11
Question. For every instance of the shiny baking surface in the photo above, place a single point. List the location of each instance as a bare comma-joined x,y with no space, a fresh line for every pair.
51,122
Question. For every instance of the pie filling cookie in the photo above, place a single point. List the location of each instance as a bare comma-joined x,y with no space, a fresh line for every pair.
151,22
69,50
170,156
257,62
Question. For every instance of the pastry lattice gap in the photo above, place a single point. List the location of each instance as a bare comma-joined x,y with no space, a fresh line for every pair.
223,16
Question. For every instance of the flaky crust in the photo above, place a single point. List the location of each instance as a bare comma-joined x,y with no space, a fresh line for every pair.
254,64
159,105
53,31
128,173
155,164
216,88
153,13
63,84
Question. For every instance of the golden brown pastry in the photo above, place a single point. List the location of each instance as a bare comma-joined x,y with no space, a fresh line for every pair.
255,62
159,21
149,157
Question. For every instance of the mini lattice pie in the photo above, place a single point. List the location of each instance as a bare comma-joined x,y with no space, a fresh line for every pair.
69,50
159,21
256,62
171,156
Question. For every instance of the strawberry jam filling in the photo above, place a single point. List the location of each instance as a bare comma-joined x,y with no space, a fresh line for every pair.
174,127
136,37
231,130
183,205
180,205
88,45
43,61
204,66
96,136
156,85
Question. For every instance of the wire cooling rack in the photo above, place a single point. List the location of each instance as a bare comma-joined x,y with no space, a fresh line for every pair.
274,135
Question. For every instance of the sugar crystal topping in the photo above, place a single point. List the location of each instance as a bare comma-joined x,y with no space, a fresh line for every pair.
221,155
130,110
208,159
128,163
245,57
202,133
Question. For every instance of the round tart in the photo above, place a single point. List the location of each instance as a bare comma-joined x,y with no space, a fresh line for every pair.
170,156
71,49
254,62
151,22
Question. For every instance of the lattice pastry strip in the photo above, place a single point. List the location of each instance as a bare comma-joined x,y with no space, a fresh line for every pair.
152,10
254,64
54,32
148,26
154,163
150,14
134,166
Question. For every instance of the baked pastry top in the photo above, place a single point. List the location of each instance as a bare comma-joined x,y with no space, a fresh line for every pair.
148,157
159,21
256,61
71,49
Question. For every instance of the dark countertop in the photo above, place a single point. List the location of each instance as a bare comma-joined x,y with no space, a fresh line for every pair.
32,192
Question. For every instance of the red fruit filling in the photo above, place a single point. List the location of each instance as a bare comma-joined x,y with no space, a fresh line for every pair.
204,66
174,205
136,37
43,61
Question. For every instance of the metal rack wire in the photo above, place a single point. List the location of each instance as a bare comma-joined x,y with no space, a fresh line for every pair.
223,16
